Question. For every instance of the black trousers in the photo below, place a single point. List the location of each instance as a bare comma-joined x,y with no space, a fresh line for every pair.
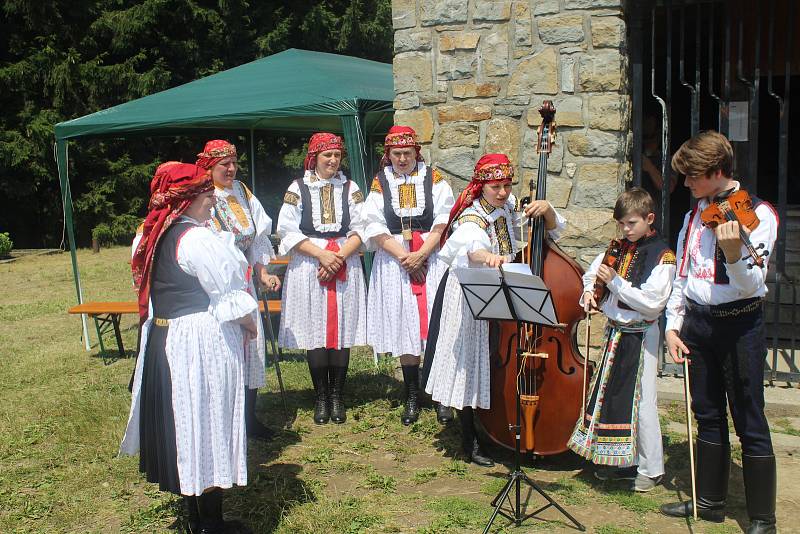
727,369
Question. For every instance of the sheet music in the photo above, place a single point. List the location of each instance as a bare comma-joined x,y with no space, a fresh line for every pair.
484,292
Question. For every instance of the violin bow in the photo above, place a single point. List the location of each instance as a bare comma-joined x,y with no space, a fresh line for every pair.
585,364
689,430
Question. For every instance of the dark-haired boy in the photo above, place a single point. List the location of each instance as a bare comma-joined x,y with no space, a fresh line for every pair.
620,428
715,316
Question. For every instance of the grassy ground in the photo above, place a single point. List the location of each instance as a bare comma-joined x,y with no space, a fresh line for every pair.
63,411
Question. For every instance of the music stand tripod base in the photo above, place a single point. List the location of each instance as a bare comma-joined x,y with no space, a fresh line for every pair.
519,296
517,476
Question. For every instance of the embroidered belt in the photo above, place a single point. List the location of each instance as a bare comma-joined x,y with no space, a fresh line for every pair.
160,322
728,309
638,326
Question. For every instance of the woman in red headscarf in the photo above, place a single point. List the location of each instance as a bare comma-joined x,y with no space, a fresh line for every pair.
405,215
324,295
186,417
239,212
485,232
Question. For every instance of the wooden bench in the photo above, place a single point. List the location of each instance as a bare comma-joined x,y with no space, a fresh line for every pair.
107,315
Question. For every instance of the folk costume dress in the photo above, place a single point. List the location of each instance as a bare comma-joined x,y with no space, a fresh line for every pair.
398,308
621,425
186,418
330,315
459,373
240,213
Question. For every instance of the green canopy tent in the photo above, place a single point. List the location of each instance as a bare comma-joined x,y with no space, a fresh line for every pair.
295,91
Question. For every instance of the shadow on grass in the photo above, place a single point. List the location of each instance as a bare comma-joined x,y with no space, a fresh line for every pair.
678,478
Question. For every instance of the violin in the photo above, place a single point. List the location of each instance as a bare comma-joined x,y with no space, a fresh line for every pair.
737,206
610,258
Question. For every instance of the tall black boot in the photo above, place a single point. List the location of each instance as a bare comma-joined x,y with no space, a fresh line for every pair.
469,441
192,513
255,429
319,377
411,379
209,506
713,467
760,488
337,376
444,414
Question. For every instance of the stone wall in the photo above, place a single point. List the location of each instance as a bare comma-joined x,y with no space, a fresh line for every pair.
470,75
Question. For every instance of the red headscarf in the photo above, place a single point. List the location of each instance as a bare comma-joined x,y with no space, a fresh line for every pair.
214,152
399,137
174,187
491,168
320,142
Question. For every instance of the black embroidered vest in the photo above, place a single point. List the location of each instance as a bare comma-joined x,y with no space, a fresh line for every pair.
422,223
306,218
637,260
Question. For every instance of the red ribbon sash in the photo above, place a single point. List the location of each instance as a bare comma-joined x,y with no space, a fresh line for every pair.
418,290
332,322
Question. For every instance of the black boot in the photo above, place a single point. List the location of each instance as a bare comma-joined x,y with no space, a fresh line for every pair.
411,379
713,466
319,377
337,376
469,441
255,429
209,506
192,513
760,487
444,414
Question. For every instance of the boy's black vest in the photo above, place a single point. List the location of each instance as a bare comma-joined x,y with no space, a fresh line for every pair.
421,223
646,254
306,218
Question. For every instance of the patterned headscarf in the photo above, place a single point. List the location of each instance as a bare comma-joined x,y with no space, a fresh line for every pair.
320,142
214,152
173,188
491,168
400,137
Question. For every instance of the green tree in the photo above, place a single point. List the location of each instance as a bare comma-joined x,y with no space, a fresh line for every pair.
60,60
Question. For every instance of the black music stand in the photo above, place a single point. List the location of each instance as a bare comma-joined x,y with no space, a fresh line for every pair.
512,294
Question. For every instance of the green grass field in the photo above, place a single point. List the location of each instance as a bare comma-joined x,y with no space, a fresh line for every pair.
63,412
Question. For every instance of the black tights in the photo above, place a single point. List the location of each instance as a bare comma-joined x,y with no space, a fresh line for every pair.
328,358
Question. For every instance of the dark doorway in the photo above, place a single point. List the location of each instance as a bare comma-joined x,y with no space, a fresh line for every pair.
731,66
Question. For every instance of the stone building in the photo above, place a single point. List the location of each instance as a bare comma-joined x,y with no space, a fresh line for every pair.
631,80
470,76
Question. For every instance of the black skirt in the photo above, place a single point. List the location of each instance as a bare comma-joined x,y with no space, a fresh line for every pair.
158,456
433,329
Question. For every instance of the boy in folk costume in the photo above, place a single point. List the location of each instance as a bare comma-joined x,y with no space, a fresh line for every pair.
324,295
486,231
620,426
405,216
715,317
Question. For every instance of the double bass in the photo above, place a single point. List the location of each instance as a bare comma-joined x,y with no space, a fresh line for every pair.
550,379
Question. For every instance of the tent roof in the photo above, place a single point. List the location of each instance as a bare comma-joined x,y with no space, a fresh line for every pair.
295,90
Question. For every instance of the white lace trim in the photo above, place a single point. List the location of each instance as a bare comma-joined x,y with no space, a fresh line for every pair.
394,182
315,183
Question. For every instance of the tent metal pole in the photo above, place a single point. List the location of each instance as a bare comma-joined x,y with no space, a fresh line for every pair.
355,141
252,162
66,202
